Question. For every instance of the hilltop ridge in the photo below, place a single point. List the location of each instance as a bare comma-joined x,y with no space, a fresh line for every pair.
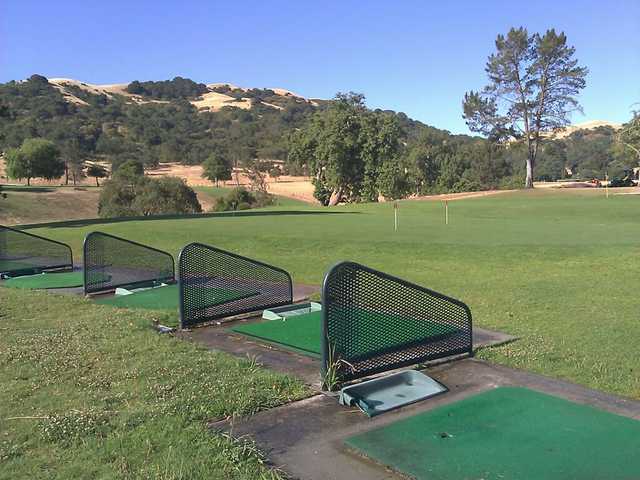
217,96
225,94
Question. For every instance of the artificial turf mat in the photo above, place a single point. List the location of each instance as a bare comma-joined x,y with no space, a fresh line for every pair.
303,332
46,280
508,433
300,332
166,298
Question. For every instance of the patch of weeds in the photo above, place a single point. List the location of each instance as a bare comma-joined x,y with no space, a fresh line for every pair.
241,387
331,377
242,451
71,426
9,450
57,353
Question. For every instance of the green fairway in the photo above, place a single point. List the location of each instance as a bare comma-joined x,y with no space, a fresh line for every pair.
508,434
558,269
94,392
167,298
366,336
46,280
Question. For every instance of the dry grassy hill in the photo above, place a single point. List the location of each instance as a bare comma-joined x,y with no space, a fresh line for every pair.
48,204
211,101
593,124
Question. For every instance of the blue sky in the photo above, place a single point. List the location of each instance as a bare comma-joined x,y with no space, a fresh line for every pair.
418,57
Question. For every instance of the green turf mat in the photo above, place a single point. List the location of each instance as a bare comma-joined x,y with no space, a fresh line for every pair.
46,280
508,434
166,298
303,332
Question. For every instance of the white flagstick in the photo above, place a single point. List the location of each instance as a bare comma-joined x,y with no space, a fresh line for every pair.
606,185
446,212
395,216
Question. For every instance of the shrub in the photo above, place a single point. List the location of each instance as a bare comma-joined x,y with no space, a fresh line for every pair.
514,182
125,196
165,196
242,199
129,169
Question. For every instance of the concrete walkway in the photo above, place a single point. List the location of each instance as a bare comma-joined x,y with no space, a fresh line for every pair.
305,438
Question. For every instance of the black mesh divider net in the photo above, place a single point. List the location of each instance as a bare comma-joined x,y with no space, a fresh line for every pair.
215,284
374,322
25,253
111,262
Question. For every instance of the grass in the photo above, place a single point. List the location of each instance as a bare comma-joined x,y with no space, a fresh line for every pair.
38,204
93,392
558,269
44,204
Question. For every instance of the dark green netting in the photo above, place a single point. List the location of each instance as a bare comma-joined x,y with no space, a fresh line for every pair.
167,298
14,265
302,332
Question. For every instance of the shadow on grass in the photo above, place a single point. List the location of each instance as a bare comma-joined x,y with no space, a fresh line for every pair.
244,213
17,188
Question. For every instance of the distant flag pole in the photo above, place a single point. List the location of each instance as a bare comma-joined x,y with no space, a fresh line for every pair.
606,185
446,212
395,216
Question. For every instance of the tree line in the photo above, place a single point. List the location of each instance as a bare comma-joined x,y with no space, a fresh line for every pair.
168,89
351,152
113,130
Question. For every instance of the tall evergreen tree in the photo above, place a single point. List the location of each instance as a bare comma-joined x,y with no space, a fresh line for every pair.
533,84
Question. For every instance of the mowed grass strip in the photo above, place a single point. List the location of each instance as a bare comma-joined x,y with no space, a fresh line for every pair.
559,269
94,392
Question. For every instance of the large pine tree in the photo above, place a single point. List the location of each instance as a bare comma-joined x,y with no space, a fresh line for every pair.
533,84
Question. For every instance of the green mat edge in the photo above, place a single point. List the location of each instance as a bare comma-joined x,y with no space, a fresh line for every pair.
107,301
302,351
7,282
361,452
288,346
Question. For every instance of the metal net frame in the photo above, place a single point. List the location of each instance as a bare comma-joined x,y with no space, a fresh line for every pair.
110,262
374,322
23,253
215,284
